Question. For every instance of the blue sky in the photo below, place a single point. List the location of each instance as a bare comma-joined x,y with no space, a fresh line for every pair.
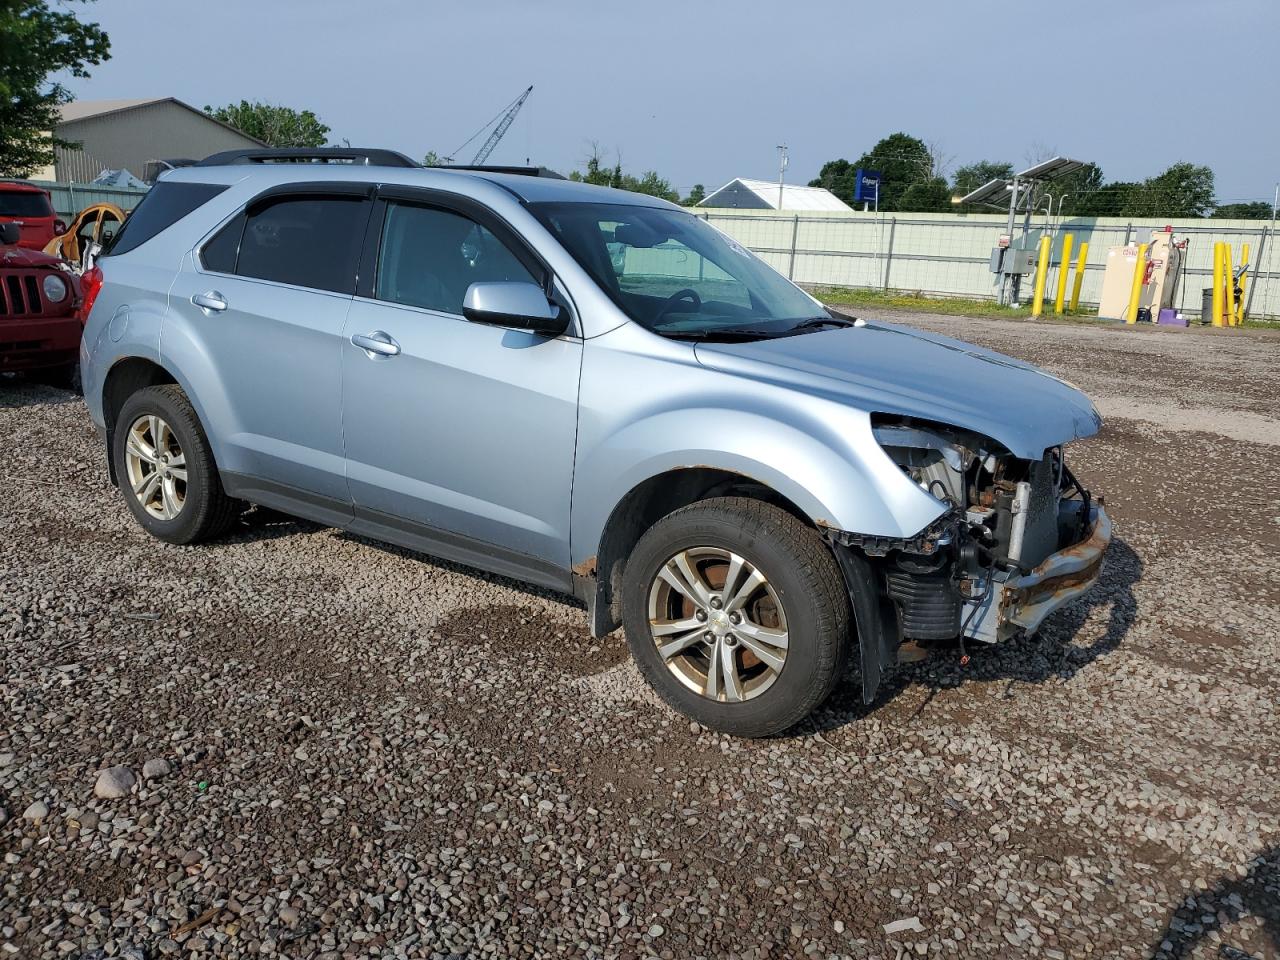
703,90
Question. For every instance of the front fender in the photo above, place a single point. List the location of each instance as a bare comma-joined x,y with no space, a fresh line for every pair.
647,406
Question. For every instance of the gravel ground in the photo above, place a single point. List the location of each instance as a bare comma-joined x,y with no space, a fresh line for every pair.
336,749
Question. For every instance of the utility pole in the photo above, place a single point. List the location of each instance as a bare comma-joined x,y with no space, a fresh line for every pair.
782,166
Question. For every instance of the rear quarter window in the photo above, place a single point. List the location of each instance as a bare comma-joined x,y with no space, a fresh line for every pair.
163,206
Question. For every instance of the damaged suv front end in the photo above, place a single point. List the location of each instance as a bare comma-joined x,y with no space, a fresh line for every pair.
1016,539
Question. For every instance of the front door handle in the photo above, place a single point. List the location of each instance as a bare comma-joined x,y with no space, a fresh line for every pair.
211,301
376,344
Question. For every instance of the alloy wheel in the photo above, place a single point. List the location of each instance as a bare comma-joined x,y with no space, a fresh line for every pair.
157,467
718,624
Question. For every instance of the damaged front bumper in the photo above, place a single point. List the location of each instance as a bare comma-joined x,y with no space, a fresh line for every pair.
1012,600
1020,602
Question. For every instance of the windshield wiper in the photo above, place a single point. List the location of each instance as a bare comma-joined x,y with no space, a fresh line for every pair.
727,334
814,322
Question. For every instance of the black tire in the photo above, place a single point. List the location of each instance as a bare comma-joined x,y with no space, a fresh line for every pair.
803,573
207,511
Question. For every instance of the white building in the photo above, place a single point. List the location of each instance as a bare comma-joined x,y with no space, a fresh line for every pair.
743,194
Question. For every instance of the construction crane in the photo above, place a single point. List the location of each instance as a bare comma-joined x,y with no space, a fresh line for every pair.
504,121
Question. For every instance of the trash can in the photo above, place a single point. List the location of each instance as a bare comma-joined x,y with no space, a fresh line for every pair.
1206,305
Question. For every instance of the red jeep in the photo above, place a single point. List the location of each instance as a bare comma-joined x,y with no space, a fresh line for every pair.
31,208
40,312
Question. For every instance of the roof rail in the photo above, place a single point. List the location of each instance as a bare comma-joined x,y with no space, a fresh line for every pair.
517,171
356,155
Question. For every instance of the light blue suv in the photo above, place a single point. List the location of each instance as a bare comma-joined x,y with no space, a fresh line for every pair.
590,390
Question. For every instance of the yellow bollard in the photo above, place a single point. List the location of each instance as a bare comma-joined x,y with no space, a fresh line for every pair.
1064,268
1244,275
1080,264
1229,295
1042,269
1217,284
1135,293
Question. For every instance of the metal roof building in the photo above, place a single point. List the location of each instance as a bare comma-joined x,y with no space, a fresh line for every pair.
129,134
744,194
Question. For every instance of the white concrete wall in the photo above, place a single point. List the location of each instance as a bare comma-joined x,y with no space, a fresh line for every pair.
949,254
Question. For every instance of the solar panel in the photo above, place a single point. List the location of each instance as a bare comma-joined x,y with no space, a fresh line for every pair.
1049,169
993,193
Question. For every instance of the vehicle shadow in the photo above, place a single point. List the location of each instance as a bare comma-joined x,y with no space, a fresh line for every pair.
1213,911
18,391
1049,654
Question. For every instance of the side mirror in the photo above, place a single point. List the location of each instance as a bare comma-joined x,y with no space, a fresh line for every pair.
10,234
519,305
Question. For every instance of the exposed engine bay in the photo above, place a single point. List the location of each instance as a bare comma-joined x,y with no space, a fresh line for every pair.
1017,540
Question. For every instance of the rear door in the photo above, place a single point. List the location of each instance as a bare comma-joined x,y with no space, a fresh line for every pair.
265,298
462,442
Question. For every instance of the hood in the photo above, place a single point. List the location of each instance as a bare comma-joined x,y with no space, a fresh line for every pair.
886,368
25,258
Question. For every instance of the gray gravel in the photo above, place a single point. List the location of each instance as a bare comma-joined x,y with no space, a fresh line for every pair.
337,749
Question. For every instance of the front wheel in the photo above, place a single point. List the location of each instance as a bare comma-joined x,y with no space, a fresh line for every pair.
736,614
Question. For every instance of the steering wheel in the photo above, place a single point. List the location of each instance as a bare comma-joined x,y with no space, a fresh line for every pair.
678,297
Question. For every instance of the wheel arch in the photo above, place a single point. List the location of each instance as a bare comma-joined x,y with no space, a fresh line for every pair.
598,578
125,378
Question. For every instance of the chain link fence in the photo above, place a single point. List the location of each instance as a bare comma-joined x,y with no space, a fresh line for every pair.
949,255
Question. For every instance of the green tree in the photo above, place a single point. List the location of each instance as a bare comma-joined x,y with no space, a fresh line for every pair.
1109,200
1247,210
901,159
927,196
1184,190
696,196
971,176
432,159
1078,186
652,184
274,125
37,42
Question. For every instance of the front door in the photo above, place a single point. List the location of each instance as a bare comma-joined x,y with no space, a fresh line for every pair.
458,433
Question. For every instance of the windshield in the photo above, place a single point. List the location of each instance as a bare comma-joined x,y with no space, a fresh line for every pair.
674,274
24,203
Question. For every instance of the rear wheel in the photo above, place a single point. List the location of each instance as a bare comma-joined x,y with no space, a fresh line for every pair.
166,468
736,614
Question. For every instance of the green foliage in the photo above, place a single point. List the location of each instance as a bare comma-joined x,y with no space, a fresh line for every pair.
274,125
1249,210
927,196
37,42
648,183
432,159
1184,190
971,176
838,177
1109,200
903,161
696,196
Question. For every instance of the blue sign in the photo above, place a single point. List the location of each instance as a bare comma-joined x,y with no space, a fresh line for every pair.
866,185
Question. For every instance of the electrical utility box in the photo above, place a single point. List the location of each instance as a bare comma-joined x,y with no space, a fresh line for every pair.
1013,260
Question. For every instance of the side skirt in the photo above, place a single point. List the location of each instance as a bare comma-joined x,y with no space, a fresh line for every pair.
421,538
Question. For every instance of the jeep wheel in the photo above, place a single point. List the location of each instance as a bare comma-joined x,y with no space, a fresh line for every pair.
736,614
166,469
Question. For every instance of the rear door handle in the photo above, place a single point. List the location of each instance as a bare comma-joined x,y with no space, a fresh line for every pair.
211,301
377,344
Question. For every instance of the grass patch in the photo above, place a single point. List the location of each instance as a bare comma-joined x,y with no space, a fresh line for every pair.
954,306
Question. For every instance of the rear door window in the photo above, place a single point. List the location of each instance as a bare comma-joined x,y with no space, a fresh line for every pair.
303,241
163,206
24,203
